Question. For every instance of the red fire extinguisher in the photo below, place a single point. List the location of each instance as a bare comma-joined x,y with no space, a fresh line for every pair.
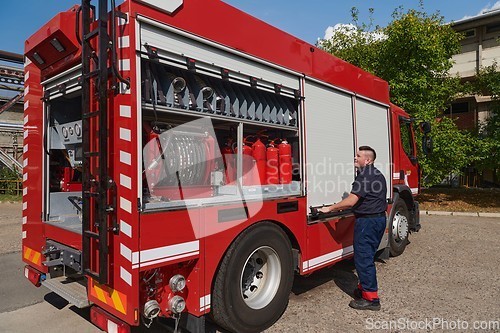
285,157
272,170
259,154
210,158
229,160
248,163
153,163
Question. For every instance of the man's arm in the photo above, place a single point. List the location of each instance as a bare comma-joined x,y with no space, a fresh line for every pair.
346,203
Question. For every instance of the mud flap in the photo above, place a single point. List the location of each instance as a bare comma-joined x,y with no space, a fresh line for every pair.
415,217
195,324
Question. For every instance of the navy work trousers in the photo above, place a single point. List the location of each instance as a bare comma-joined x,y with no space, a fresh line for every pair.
368,232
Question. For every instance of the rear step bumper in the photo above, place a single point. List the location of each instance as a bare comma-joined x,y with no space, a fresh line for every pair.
71,290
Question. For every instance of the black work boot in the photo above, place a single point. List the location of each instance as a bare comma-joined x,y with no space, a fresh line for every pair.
357,293
363,304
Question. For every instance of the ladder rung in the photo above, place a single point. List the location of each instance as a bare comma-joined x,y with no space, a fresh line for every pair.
91,273
91,114
91,234
91,34
89,194
91,74
120,14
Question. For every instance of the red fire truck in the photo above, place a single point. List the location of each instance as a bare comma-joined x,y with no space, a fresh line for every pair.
175,155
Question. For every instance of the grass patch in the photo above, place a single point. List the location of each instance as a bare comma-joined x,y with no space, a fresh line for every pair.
10,197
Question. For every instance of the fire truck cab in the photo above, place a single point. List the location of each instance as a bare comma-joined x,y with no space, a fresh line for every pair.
175,156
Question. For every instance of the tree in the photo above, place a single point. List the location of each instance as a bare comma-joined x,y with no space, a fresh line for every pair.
413,53
487,153
355,43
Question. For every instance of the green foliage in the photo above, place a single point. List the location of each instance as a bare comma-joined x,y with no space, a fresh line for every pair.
415,59
8,181
355,43
452,150
10,197
413,53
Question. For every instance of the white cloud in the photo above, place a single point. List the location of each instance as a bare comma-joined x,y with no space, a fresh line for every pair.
339,26
489,8
351,29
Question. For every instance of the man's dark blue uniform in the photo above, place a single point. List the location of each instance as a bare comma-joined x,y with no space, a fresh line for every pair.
370,186
368,202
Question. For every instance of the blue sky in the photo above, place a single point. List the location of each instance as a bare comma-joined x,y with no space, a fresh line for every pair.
307,20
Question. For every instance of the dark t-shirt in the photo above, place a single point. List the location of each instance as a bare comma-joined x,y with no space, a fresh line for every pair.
371,188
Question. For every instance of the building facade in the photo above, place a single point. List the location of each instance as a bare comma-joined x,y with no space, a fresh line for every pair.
480,48
11,111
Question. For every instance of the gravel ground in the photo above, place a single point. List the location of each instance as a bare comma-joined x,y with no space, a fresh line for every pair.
450,272
10,227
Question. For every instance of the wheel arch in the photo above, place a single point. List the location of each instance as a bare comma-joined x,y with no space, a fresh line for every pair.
296,250
291,237
404,192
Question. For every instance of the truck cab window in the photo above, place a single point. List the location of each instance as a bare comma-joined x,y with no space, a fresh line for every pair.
406,138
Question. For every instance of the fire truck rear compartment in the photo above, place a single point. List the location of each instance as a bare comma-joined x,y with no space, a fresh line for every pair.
64,146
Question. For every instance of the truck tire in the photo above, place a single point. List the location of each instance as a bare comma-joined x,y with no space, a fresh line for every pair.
255,277
399,228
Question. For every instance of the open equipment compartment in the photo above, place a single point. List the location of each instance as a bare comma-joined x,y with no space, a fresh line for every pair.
63,151
209,139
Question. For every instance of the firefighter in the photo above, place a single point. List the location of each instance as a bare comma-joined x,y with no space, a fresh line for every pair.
368,202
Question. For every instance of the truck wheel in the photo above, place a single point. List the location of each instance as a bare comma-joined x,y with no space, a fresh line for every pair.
254,280
399,228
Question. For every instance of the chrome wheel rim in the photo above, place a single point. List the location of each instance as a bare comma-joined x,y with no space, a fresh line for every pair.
399,227
260,277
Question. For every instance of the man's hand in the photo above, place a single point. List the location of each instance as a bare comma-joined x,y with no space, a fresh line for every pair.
346,203
325,209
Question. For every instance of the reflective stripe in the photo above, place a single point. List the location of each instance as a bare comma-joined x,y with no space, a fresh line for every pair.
110,297
166,253
327,258
32,255
205,302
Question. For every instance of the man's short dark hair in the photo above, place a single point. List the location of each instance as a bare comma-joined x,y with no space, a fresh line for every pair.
369,149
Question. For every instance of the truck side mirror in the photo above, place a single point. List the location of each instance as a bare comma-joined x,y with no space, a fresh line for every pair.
427,145
425,127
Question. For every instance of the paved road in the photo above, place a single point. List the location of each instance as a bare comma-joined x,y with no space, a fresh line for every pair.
450,270
27,309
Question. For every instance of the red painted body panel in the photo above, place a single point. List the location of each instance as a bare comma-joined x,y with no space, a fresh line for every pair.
328,242
240,31
122,108
401,161
66,237
33,162
62,27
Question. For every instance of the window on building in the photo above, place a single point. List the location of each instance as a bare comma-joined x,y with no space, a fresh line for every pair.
494,27
454,108
469,33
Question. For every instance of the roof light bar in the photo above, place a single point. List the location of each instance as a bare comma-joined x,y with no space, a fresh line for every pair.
38,58
57,45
